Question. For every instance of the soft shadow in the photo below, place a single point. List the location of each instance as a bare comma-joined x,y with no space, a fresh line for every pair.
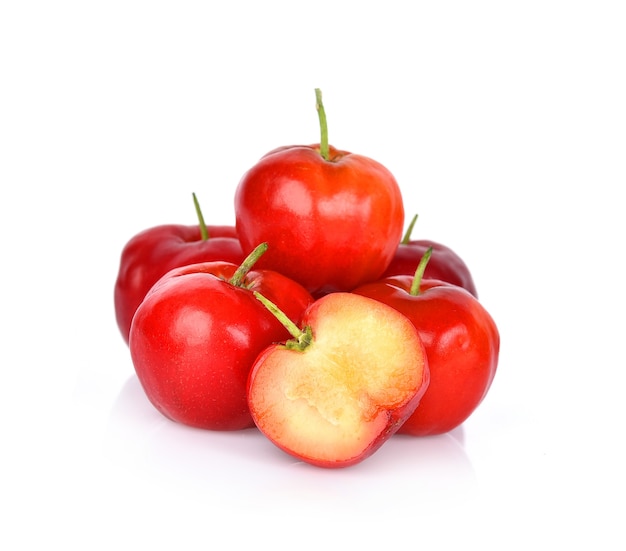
204,463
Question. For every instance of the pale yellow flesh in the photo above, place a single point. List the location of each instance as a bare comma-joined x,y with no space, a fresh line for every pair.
330,401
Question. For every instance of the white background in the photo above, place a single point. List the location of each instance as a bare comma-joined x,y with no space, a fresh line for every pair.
504,123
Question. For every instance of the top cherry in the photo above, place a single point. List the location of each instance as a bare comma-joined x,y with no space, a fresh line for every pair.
332,219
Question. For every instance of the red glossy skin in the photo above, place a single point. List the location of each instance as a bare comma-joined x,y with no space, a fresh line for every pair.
153,252
330,225
444,264
195,336
462,345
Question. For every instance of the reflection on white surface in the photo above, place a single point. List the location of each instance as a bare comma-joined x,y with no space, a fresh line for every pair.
198,462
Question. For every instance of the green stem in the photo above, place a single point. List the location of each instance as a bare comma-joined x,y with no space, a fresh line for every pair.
419,272
407,236
246,265
323,124
204,232
301,338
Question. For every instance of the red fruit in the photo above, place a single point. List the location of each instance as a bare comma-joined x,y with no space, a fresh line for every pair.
462,344
346,382
196,334
332,219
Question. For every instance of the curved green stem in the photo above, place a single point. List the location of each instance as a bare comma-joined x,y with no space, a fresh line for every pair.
204,233
406,239
323,124
419,272
246,265
301,338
